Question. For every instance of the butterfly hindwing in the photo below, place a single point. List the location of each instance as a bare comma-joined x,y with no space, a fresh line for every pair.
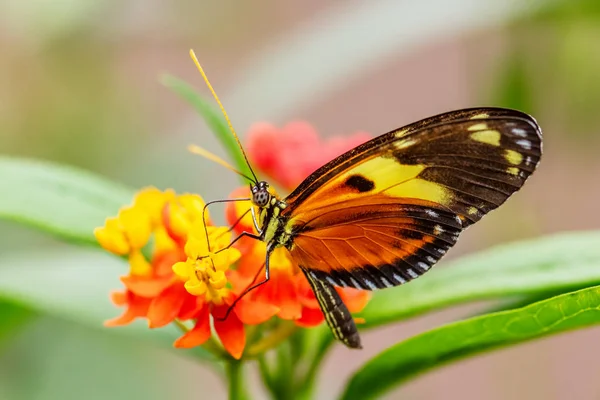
385,243
385,212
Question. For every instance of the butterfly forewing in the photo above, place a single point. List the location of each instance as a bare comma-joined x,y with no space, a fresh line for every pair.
385,212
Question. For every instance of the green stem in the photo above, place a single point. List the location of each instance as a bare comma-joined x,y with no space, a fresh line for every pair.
235,377
306,385
266,375
273,339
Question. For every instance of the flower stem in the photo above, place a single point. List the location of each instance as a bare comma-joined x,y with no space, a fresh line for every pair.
237,384
273,339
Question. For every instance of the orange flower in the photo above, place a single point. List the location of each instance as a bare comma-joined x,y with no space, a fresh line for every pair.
290,154
183,279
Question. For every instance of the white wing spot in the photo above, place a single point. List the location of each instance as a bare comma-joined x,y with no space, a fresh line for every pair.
432,213
386,282
399,278
438,229
370,284
441,251
526,144
520,132
431,259
423,266
528,160
313,275
412,273
355,283
330,280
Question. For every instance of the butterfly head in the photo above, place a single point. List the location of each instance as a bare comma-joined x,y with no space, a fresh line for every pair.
261,196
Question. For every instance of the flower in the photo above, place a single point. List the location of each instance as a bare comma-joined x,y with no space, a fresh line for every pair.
183,279
290,154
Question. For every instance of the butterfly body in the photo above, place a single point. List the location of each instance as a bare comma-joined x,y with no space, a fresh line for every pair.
385,212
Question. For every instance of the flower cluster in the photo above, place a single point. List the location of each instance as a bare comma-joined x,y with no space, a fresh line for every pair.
183,269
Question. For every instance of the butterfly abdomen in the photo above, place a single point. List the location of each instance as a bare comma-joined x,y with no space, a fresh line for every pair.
336,313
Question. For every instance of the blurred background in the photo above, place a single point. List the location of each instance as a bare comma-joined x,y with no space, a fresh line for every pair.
80,84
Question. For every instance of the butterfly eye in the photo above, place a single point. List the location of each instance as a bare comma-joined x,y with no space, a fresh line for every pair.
260,194
261,198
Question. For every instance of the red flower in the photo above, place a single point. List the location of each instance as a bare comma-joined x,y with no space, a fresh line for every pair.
290,154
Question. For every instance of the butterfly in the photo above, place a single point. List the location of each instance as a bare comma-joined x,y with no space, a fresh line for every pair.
383,213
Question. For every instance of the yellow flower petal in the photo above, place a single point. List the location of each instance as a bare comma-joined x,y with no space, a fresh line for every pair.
196,288
195,248
138,265
193,204
225,258
152,200
218,280
179,222
162,241
136,225
111,238
216,296
183,270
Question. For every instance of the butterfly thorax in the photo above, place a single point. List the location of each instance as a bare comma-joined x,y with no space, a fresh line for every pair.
272,224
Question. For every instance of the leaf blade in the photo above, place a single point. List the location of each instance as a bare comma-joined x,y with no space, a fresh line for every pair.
76,286
464,338
64,201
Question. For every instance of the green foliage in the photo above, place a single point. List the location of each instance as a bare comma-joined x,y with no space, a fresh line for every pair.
66,202
552,63
14,317
75,288
460,339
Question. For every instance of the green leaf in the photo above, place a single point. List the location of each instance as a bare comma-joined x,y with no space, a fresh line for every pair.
556,263
214,119
75,286
13,318
461,339
61,200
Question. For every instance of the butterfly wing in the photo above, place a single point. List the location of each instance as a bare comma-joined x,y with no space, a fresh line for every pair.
385,212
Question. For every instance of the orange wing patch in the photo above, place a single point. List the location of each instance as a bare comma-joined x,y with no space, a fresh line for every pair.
374,244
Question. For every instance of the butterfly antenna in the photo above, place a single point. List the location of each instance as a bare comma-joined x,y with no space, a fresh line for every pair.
213,157
237,139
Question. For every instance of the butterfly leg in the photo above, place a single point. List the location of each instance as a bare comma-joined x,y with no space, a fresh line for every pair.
241,235
336,313
215,202
252,287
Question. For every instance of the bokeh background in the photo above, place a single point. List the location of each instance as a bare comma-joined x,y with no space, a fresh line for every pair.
79,84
